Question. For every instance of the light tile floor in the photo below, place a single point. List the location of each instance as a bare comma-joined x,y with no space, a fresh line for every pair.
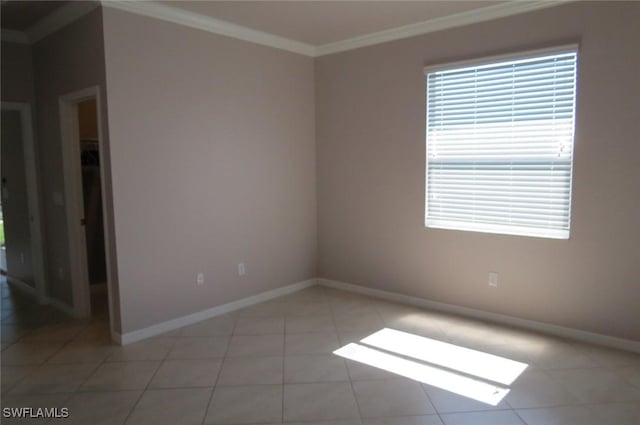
272,363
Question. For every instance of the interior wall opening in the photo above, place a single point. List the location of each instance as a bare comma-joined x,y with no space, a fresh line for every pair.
88,137
15,234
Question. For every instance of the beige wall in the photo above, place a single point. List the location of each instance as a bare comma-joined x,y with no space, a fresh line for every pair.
213,163
66,61
15,205
214,145
17,73
371,150
17,86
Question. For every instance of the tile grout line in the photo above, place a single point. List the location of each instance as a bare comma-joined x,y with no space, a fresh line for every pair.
435,409
69,395
161,361
353,391
284,344
332,305
515,412
224,356
45,362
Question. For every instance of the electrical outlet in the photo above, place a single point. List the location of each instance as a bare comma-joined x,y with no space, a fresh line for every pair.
493,279
241,269
200,279
60,273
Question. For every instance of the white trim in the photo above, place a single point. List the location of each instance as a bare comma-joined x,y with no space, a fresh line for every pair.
13,36
76,9
217,26
576,334
63,307
33,195
59,18
190,319
437,24
22,286
106,210
31,291
497,229
74,207
488,60
78,272
116,337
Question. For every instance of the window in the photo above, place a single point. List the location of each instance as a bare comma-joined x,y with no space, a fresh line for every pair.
500,144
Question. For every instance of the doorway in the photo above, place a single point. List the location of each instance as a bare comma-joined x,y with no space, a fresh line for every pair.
92,201
21,258
83,153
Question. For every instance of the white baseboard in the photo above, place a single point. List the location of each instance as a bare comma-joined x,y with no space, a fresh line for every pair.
169,325
116,337
22,286
576,334
65,308
31,291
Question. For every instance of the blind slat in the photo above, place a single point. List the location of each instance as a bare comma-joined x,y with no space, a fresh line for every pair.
500,146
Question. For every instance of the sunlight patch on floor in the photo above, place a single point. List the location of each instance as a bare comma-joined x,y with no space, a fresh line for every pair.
474,374
477,363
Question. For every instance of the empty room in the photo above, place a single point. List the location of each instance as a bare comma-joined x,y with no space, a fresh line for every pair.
320,212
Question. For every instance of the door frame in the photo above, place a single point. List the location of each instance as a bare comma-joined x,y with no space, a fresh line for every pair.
33,196
74,199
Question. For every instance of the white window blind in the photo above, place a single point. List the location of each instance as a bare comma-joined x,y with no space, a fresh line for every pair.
500,144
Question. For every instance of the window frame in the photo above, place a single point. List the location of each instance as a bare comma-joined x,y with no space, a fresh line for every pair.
503,229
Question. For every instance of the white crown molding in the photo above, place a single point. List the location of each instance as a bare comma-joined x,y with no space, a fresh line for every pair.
437,24
76,9
195,20
59,18
11,36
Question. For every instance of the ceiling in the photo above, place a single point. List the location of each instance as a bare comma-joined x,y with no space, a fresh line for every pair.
19,15
308,27
312,22
323,22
